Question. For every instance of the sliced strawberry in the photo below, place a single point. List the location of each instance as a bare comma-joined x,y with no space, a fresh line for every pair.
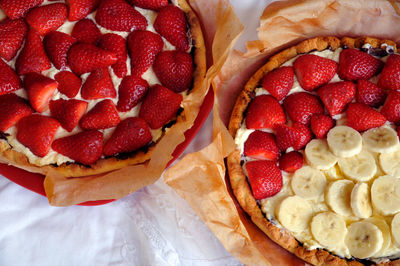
131,91
37,133
12,109
390,76
143,48
313,71
171,24
79,9
286,137
279,82
321,124
117,44
291,161
131,134
85,147
98,85
9,80
264,112
68,112
47,18
149,4
12,34
85,31
337,95
57,45
159,106
103,115
18,8
261,145
265,178
354,64
362,117
300,106
120,16
370,93
391,107
40,89
68,83
305,135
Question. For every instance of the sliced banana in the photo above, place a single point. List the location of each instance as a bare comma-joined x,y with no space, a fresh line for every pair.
385,194
308,183
360,200
383,226
395,228
334,173
344,141
390,163
360,167
381,139
319,156
364,239
294,213
338,197
329,229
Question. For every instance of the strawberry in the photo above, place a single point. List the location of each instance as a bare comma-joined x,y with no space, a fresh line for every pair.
119,16
312,71
68,83
261,145
12,34
37,133
85,31
291,161
12,109
40,89
9,81
85,147
130,92
354,64
264,111
174,69
47,18
391,107
265,178
68,112
279,82
103,115
300,106
117,44
57,45
79,9
171,24
15,9
32,57
84,58
390,76
143,48
159,106
131,134
370,93
286,137
98,85
149,4
362,117
337,95
305,135
321,124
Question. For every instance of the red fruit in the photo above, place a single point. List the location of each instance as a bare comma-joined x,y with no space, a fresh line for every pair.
390,76
40,89
391,107
300,106
130,92
68,112
370,93
171,24
9,81
68,83
279,82
37,133
12,109
103,115
98,85
261,145
32,57
84,58
85,31
286,137
117,44
85,147
264,112
174,69
313,71
79,9
337,95
57,45
47,18
265,178
321,124
362,117
159,106
120,16
12,34
131,134
305,135
18,8
354,64
149,4
291,161
143,48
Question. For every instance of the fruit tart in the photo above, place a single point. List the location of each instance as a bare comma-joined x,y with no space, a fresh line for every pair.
317,164
90,86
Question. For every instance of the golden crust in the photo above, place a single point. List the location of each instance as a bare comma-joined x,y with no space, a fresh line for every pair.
238,180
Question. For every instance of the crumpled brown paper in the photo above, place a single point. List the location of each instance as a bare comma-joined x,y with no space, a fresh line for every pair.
200,177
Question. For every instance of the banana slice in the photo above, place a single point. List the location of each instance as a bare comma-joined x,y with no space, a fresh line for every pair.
318,155
364,239
308,182
390,163
329,229
334,173
294,213
344,141
396,229
338,197
385,194
381,139
383,226
360,200
360,167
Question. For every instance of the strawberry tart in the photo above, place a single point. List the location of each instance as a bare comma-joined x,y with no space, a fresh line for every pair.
89,86
317,164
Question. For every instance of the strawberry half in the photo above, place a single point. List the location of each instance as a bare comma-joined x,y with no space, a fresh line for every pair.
103,115
15,9
261,145
369,93
291,161
12,109
264,111
279,82
40,89
12,35
9,80
57,45
117,44
47,18
149,4
362,117
390,76
305,135
68,112
391,107
79,9
85,31
337,95
265,178
68,83
130,92
286,137
300,106
98,85
321,124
